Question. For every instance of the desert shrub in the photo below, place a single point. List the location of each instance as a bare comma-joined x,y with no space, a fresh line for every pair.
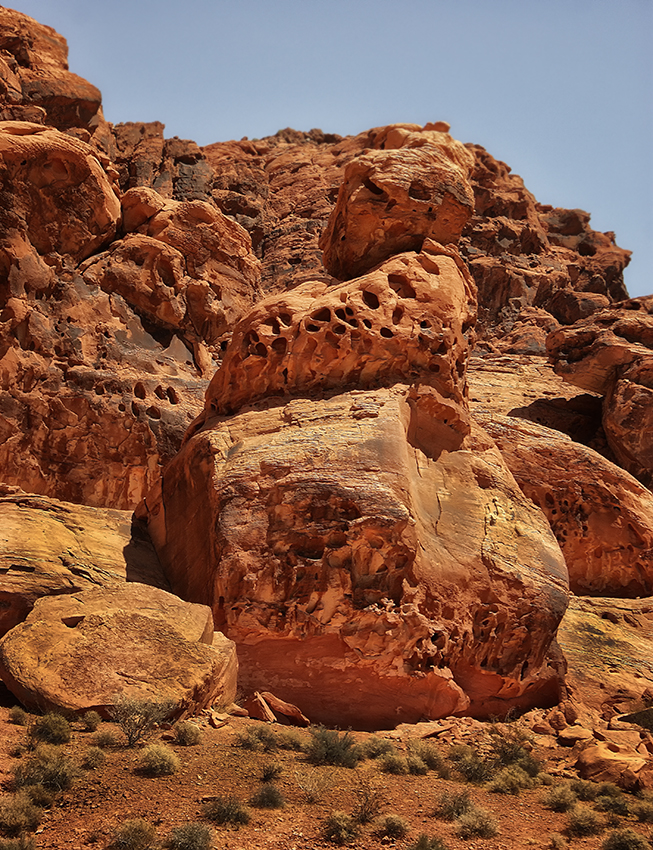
614,804
18,814
47,766
268,796
431,757
585,790
94,758
370,800
608,789
136,834
328,746
416,766
395,764
582,821
508,744
452,806
40,796
226,810
559,799
17,751
52,728
271,771
545,779
394,827
91,720
23,842
313,784
340,828
105,739
190,836
476,823
375,747
18,716
510,780
469,764
187,734
625,839
557,841
425,843
257,738
290,741
643,811
138,718
158,760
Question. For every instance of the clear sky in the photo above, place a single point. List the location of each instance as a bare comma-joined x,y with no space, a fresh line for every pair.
561,90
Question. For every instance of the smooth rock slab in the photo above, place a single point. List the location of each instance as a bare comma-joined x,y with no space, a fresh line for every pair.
78,652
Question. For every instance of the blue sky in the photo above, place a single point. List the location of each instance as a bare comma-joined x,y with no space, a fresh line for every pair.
561,90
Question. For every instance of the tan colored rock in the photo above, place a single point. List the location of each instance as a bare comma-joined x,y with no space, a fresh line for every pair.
49,548
413,186
601,763
601,516
78,652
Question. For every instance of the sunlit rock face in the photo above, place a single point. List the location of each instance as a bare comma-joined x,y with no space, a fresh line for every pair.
360,540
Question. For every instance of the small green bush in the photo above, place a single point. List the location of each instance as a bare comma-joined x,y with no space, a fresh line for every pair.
559,799
451,806
271,771
226,810
49,767
268,796
582,821
608,789
106,739
616,805
94,758
339,828
425,843
395,764
375,747
18,814
23,842
328,746
18,716
643,811
187,734
585,790
431,757
158,760
510,780
257,738
91,720
370,800
138,718
136,834
625,839
50,729
40,796
416,766
290,741
394,827
476,823
190,836
472,767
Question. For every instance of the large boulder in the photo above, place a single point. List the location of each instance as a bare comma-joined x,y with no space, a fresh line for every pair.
82,651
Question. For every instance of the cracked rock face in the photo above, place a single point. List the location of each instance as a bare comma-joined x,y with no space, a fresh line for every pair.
358,538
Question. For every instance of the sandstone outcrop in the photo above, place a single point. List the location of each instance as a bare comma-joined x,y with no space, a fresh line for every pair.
49,548
81,651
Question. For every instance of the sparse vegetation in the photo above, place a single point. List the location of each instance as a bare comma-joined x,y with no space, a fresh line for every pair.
557,841
94,758
470,765
18,716
559,799
370,800
476,823
313,784
394,827
105,738
258,738
50,729
226,810
136,834
425,843
187,734
585,790
616,804
271,772
582,821
138,718
340,828
158,760
395,764
18,814
91,720
375,747
643,811
190,836
23,842
416,765
328,746
268,796
625,839
451,806
510,780
431,756
290,741
47,766
40,796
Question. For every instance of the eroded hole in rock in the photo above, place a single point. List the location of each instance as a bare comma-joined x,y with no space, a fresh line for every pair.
139,390
434,367
173,396
371,299
391,203
397,315
71,622
425,324
339,329
261,350
166,273
400,284
153,412
135,410
279,345
372,187
313,328
285,376
121,407
159,392
418,192
99,389
322,315
367,323
386,332
273,324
